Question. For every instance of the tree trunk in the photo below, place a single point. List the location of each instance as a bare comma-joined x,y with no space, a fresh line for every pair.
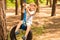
47,2
54,8
3,27
5,6
37,3
50,1
21,2
16,6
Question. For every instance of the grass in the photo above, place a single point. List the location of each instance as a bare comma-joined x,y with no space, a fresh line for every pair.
35,30
10,5
38,30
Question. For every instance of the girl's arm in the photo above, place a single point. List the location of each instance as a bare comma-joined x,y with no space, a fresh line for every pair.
35,10
33,13
27,9
29,13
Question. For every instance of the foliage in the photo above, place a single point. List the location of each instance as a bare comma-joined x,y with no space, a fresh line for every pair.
10,4
30,1
11,1
42,1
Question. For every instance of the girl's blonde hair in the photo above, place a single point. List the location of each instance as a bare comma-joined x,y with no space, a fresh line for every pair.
33,5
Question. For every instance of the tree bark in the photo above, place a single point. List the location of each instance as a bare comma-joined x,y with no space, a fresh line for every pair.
37,3
3,27
49,2
54,8
5,6
16,7
21,2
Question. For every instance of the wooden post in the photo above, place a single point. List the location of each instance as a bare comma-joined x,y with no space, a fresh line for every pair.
3,27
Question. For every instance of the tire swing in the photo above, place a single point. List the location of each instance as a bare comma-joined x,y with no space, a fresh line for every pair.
23,27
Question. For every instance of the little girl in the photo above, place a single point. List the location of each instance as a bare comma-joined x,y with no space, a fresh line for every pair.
31,9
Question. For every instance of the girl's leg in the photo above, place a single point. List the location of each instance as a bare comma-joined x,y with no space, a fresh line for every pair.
28,29
29,22
18,26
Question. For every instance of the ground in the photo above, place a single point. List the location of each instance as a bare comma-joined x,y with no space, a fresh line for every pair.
51,25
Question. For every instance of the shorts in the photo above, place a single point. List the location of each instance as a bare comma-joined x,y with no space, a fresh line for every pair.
29,21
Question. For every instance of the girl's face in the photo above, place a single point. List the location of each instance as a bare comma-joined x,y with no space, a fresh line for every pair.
32,7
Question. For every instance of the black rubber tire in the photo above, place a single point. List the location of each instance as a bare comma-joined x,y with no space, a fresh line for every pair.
29,37
12,34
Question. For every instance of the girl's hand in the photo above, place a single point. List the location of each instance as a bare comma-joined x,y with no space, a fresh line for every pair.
27,8
24,4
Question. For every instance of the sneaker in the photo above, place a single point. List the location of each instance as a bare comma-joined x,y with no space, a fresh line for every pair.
16,33
24,38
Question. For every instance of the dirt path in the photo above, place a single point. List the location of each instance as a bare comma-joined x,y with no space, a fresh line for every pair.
52,28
